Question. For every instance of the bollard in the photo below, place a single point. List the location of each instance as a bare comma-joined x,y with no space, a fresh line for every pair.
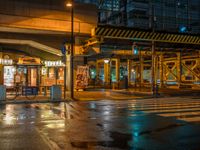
3,92
56,92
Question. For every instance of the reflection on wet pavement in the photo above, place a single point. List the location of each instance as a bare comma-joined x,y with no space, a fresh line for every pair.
134,124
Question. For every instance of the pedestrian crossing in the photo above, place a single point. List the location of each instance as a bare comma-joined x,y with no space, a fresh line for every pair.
185,109
181,108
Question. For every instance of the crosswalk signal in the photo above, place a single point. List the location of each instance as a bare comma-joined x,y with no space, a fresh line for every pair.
135,49
65,49
68,48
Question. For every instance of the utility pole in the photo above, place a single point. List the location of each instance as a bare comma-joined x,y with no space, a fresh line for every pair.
70,4
72,51
153,68
153,19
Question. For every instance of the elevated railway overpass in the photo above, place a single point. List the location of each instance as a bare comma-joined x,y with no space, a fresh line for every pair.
148,58
114,54
40,29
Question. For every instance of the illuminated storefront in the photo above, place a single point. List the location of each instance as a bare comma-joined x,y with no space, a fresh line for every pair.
52,73
23,70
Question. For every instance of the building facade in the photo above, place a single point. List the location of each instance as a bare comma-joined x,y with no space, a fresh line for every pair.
160,15
118,63
32,34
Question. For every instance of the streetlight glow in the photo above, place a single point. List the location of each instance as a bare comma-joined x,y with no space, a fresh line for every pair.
106,61
69,4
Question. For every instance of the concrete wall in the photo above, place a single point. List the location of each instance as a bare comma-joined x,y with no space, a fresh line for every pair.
51,15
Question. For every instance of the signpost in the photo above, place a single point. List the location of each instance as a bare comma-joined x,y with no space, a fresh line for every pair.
82,77
64,60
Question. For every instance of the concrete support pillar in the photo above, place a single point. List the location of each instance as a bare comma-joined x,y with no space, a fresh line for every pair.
97,69
68,81
141,70
179,69
153,68
161,69
117,71
107,73
129,64
137,74
156,68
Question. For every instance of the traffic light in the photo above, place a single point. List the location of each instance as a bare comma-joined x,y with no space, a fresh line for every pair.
65,49
183,29
135,49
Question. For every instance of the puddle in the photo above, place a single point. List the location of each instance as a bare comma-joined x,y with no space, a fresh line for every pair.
120,140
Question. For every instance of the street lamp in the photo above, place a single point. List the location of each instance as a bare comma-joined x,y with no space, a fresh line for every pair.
70,4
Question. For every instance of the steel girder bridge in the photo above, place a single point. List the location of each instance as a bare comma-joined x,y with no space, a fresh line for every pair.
164,59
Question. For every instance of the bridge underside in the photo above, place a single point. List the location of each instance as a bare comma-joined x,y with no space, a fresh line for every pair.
44,46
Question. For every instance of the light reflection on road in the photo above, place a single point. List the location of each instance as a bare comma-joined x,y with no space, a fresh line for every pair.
108,123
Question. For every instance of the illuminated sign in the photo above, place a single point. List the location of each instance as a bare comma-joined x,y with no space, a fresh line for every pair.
82,76
44,71
53,63
29,61
6,61
9,72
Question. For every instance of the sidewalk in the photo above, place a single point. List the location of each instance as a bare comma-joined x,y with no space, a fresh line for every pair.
101,94
132,93
88,95
37,99
110,94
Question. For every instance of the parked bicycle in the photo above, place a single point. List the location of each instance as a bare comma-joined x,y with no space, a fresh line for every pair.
28,91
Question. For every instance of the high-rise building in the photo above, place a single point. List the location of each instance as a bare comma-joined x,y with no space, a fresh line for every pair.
170,15
160,15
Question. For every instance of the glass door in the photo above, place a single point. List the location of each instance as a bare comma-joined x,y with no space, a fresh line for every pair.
32,76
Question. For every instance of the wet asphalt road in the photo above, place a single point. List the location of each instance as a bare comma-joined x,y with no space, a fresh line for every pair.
144,124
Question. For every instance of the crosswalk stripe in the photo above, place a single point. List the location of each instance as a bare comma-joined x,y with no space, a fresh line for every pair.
185,109
192,119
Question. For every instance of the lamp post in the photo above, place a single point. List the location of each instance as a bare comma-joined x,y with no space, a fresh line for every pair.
70,4
153,19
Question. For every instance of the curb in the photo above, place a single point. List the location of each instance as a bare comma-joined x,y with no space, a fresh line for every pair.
4,102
